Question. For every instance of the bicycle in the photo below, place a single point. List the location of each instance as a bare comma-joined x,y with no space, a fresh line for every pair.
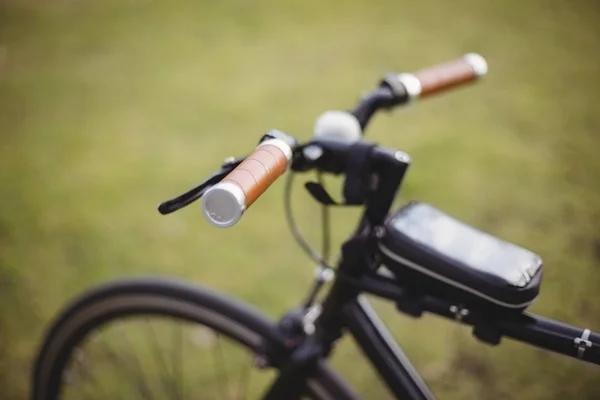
416,256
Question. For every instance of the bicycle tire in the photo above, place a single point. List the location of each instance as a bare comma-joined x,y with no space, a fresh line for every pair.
168,297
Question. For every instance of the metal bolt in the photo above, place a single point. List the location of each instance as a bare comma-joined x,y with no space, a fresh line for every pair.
402,156
582,343
312,153
379,232
323,274
459,312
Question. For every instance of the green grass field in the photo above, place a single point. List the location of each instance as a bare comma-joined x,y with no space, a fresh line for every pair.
108,108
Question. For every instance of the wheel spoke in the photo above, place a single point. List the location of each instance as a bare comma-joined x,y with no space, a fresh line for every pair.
220,360
141,384
82,367
245,378
177,336
169,384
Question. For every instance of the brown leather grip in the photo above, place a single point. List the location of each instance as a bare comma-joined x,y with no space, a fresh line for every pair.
449,74
258,171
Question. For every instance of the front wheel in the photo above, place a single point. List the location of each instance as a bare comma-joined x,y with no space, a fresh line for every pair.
148,339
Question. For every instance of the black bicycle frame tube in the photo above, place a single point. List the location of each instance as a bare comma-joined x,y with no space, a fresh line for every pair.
383,351
538,331
534,330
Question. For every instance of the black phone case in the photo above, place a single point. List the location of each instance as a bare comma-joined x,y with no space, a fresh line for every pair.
409,249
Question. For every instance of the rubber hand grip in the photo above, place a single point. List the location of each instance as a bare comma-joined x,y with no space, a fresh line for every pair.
224,203
444,76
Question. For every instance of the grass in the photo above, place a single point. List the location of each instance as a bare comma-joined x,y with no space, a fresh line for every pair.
107,108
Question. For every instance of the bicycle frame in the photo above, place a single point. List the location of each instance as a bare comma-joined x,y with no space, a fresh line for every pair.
346,310
395,368
376,342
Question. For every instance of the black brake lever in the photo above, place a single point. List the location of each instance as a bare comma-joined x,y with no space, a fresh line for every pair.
185,199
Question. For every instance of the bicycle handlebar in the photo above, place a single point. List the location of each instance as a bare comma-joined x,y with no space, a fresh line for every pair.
439,77
224,203
398,89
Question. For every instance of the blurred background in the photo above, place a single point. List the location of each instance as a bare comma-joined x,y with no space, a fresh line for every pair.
109,107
